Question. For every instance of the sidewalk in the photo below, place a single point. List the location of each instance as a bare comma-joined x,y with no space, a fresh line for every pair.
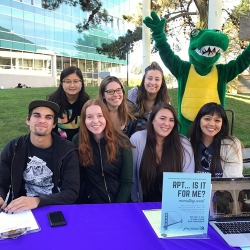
246,154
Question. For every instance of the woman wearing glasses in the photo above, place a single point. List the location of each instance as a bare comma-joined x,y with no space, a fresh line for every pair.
158,149
105,155
215,151
153,89
70,96
112,93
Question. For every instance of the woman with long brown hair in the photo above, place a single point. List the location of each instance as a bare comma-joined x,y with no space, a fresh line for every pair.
153,90
112,93
105,155
158,149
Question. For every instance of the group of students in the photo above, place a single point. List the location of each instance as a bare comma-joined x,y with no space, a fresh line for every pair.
122,145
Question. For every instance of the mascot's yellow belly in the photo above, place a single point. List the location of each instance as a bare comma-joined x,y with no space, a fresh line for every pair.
199,91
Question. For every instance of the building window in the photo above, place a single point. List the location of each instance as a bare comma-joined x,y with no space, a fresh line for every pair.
37,3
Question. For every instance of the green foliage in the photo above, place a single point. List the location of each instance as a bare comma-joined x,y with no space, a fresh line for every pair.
97,14
246,170
232,27
179,19
174,12
117,48
54,4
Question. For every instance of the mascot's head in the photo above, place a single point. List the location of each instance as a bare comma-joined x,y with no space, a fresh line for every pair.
206,46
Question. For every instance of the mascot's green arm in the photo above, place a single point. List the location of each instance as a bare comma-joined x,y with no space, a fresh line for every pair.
237,66
176,66
227,72
171,61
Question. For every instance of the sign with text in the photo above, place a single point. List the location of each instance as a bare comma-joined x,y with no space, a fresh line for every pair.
185,204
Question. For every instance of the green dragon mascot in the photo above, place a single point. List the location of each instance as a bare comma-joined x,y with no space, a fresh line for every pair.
199,81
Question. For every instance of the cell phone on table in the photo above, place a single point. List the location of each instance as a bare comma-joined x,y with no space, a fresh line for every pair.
56,219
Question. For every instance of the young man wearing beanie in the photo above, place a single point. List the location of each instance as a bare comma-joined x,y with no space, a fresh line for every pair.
39,168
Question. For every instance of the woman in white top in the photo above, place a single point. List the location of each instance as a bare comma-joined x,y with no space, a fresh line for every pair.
215,151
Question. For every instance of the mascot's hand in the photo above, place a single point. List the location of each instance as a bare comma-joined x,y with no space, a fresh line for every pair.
156,24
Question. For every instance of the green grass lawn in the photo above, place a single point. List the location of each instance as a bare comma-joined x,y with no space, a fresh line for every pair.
14,105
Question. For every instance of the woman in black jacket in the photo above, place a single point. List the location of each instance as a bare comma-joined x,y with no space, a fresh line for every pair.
105,155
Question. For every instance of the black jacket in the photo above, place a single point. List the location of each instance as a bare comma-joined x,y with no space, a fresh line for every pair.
103,179
66,170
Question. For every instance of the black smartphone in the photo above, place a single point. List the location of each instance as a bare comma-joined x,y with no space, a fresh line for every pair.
56,219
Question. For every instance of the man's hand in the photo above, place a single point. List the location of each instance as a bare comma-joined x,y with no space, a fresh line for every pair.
22,203
3,204
156,24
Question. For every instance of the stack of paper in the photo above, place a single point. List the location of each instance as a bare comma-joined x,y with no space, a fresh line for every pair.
20,220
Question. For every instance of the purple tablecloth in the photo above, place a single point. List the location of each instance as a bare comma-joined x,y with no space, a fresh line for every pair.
105,226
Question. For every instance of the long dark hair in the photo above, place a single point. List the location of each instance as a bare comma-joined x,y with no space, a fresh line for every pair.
162,95
172,151
124,110
195,133
59,95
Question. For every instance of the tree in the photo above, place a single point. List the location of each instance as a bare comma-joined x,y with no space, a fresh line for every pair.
232,27
179,18
177,12
97,16
115,49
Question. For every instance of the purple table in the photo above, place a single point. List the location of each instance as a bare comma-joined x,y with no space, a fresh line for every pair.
108,226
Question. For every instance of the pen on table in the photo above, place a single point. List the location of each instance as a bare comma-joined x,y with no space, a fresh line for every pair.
6,199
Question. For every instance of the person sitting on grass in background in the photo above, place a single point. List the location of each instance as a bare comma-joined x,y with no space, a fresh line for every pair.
70,96
19,86
39,168
215,151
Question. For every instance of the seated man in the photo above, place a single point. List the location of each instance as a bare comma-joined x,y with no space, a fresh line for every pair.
39,168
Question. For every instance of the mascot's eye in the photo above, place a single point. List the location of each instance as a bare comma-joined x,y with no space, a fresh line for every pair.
218,31
194,33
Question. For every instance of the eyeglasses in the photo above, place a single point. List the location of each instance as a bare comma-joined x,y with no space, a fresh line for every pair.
112,91
75,82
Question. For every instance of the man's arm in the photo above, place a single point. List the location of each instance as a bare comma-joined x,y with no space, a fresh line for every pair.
20,204
70,179
5,169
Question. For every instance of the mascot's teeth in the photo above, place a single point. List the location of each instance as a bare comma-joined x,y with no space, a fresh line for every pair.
208,51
